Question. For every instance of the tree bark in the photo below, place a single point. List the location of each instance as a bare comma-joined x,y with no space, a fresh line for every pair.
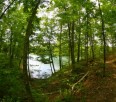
104,38
87,35
60,50
92,44
51,56
1,40
71,43
10,50
25,52
79,41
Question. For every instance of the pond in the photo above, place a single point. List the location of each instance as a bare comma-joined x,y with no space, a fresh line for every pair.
38,69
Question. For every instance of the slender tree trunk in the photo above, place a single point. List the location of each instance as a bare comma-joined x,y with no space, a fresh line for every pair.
51,65
10,50
71,43
29,74
79,41
73,46
60,50
92,44
51,56
87,36
104,38
50,52
1,40
25,52
81,52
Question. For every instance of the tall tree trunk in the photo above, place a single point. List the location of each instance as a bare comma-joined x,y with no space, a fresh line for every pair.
51,65
51,56
71,43
73,46
79,41
60,50
11,50
1,40
87,35
29,74
92,44
25,52
51,52
104,38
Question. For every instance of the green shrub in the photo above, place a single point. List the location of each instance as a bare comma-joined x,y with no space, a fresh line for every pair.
11,86
39,96
65,96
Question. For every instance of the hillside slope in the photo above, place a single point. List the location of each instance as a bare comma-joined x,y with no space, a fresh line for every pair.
98,88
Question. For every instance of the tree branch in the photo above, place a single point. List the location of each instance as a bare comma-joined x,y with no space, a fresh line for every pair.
6,9
73,86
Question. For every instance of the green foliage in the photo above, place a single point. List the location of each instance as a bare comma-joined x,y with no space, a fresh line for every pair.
80,67
10,81
65,96
39,96
44,59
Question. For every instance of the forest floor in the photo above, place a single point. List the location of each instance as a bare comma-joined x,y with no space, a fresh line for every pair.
98,88
94,87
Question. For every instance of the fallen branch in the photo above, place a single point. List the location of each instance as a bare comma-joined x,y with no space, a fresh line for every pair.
73,86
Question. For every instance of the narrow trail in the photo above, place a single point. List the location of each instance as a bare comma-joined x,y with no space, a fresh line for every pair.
101,89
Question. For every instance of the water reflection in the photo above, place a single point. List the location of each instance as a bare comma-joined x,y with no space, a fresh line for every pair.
39,69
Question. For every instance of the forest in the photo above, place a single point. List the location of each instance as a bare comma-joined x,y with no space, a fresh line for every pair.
83,32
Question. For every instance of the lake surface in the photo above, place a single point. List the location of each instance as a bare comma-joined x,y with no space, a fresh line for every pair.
41,70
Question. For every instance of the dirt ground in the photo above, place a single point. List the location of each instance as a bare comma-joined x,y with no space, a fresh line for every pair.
98,88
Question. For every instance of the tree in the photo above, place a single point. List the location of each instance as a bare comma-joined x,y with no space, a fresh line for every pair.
26,49
104,37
